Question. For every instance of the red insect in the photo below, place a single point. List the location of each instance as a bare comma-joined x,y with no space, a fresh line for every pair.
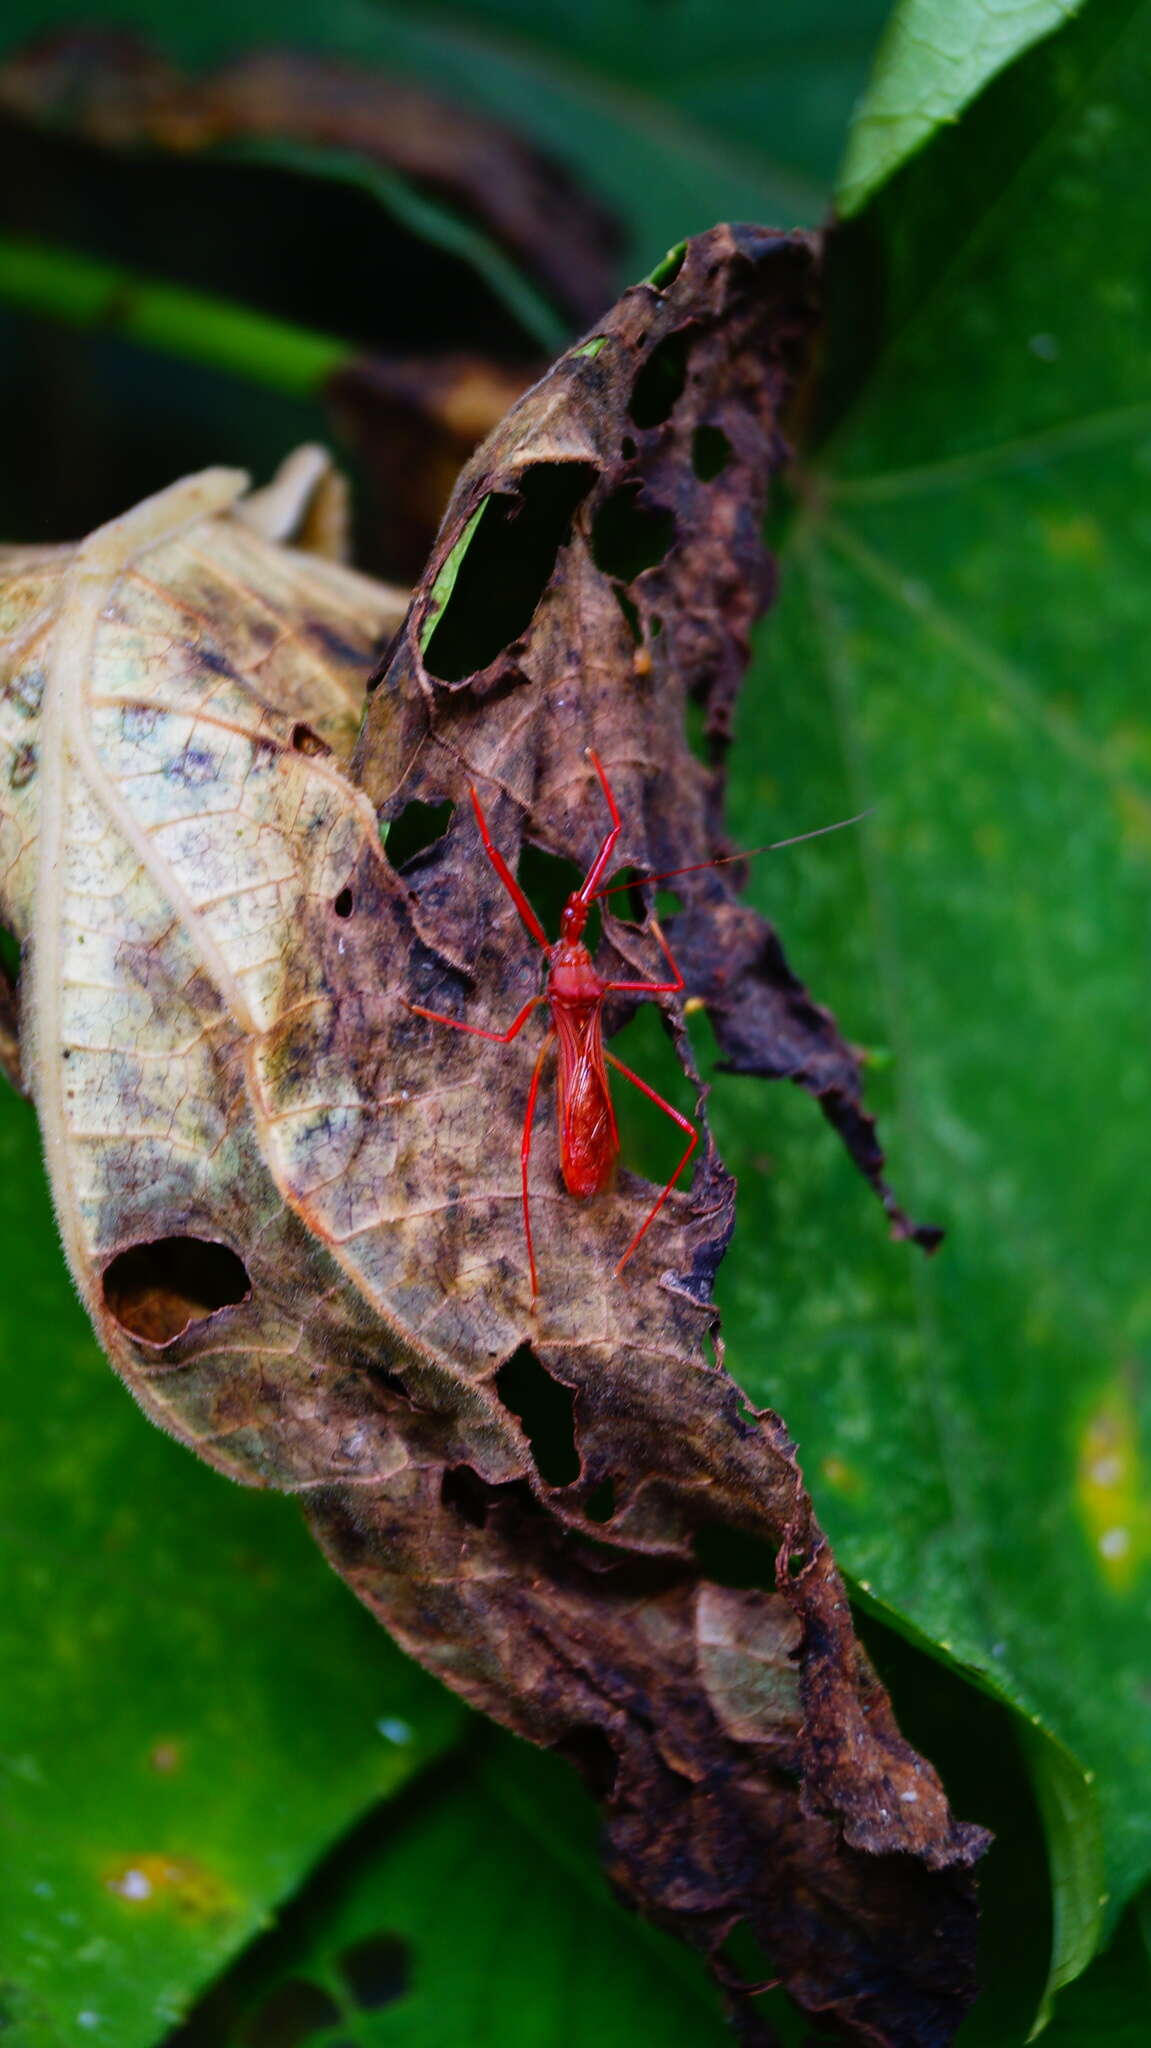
575,992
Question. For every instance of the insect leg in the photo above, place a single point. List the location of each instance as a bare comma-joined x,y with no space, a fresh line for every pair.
526,1153
654,988
596,872
507,878
476,1030
684,1125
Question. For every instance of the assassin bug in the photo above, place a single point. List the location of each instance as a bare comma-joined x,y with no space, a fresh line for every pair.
575,993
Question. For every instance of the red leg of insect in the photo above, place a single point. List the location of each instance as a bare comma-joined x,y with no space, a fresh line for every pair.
653,988
525,1157
598,868
476,1030
682,1121
507,878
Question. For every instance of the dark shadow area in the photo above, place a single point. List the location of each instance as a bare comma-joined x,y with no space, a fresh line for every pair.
293,2013
659,384
547,1412
505,569
157,1290
377,1971
710,453
628,536
418,826
318,251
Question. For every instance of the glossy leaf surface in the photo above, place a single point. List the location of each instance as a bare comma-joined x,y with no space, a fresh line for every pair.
965,598
175,1753
936,55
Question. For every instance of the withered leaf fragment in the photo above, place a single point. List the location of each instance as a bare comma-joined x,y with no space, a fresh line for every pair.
293,1207
112,89
174,695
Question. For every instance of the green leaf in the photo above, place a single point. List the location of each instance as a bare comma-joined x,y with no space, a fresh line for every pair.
678,119
1110,2004
966,598
477,1915
935,56
445,582
193,1705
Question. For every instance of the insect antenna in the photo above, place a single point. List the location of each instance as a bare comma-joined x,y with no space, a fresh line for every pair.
723,860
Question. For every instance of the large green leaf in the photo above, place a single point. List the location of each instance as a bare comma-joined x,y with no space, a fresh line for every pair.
474,1916
936,55
966,602
680,116
1110,2004
193,1706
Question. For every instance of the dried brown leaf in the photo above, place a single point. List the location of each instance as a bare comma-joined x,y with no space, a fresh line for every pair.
560,1642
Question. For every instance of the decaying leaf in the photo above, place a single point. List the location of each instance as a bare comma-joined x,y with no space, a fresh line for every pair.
175,692
114,90
293,1207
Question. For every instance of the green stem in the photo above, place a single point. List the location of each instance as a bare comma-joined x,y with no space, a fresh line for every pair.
64,284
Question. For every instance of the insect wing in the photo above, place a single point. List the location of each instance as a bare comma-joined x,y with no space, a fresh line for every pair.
589,1141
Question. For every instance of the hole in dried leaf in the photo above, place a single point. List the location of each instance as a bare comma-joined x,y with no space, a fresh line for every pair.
292,2013
696,732
599,1505
628,537
593,1757
730,1558
505,569
746,1963
548,881
649,1140
344,904
632,907
157,1290
710,453
627,448
465,1492
305,741
9,954
547,1411
417,827
377,1971
661,380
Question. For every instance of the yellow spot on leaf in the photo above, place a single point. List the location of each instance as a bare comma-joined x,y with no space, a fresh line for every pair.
1115,1514
166,1757
1134,819
1074,540
990,841
170,1883
841,1476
